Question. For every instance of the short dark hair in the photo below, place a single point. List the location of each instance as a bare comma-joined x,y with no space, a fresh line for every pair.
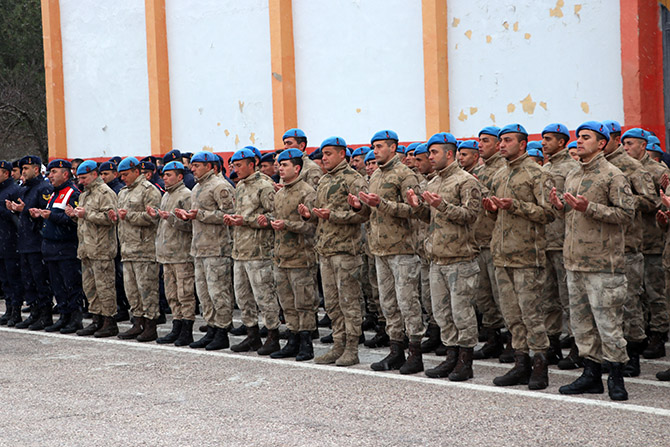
296,162
561,136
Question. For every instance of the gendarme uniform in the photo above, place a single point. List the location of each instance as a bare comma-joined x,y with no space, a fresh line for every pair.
10,270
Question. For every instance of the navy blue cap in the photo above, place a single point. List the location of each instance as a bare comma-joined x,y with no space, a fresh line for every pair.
440,138
384,135
557,128
316,155
612,126
6,165
369,156
173,166
188,155
59,163
243,154
268,158
30,160
490,130
204,157
87,166
468,144
147,166
116,160
289,154
512,128
636,132
595,126
333,141
293,133
174,154
107,166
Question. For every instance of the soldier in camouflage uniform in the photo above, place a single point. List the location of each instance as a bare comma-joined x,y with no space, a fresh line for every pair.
296,138
253,240
173,244
519,202
338,246
211,199
392,243
96,232
451,204
555,138
663,219
654,299
598,205
137,234
294,257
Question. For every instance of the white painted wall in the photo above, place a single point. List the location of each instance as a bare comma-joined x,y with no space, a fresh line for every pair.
105,77
568,59
359,68
220,74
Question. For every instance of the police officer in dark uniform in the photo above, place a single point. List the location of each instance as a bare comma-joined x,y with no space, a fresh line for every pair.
35,193
155,179
176,155
59,248
10,270
110,176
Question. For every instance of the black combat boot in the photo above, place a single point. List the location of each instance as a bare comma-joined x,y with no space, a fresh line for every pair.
96,322
615,385
305,350
554,353
656,348
663,376
15,317
327,339
369,322
325,321
206,339
149,333
433,333
441,350
109,328
566,342
74,323
380,339
445,368
62,321
463,369
539,378
394,360
186,334
492,348
241,330
573,360
290,349
519,374
45,319
590,382
220,340
634,349
173,335
32,318
135,330
271,343
6,316
414,362
252,341
508,353
121,314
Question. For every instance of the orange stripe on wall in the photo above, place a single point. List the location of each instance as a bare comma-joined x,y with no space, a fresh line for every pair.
435,65
159,77
284,110
53,71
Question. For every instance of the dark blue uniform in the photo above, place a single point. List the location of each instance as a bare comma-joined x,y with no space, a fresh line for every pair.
189,179
10,270
116,185
122,305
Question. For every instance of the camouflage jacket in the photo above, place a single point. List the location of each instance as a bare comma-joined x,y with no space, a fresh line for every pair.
419,227
294,246
390,225
137,232
518,234
341,233
451,236
484,173
652,243
173,237
558,166
594,239
642,186
254,195
311,172
95,231
213,197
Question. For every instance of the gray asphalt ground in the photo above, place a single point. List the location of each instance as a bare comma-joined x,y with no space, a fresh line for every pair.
64,390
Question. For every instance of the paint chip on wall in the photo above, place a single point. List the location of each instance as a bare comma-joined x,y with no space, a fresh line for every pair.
543,105
528,104
473,110
455,22
577,9
252,137
516,26
488,39
468,34
358,110
557,11
510,108
237,139
527,36
462,116
505,25
208,148
585,107
493,117
241,104
226,132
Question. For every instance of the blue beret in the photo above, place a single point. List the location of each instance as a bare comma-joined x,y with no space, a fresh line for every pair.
87,166
293,133
107,166
348,152
612,126
556,128
440,138
400,149
363,150
204,157
534,145
288,154
572,145
654,147
422,148
174,154
411,147
256,152
116,160
636,132
469,144
533,152
653,139
126,163
333,141
30,160
512,128
6,165
147,165
595,126
384,135
243,154
316,155
369,156
59,163
269,157
173,166
490,130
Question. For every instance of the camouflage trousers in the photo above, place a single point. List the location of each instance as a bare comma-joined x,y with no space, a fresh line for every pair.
426,302
140,281
453,289
369,286
633,315
398,279
654,298
487,297
295,289
97,280
555,294
596,315
179,282
521,305
254,290
342,294
214,284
